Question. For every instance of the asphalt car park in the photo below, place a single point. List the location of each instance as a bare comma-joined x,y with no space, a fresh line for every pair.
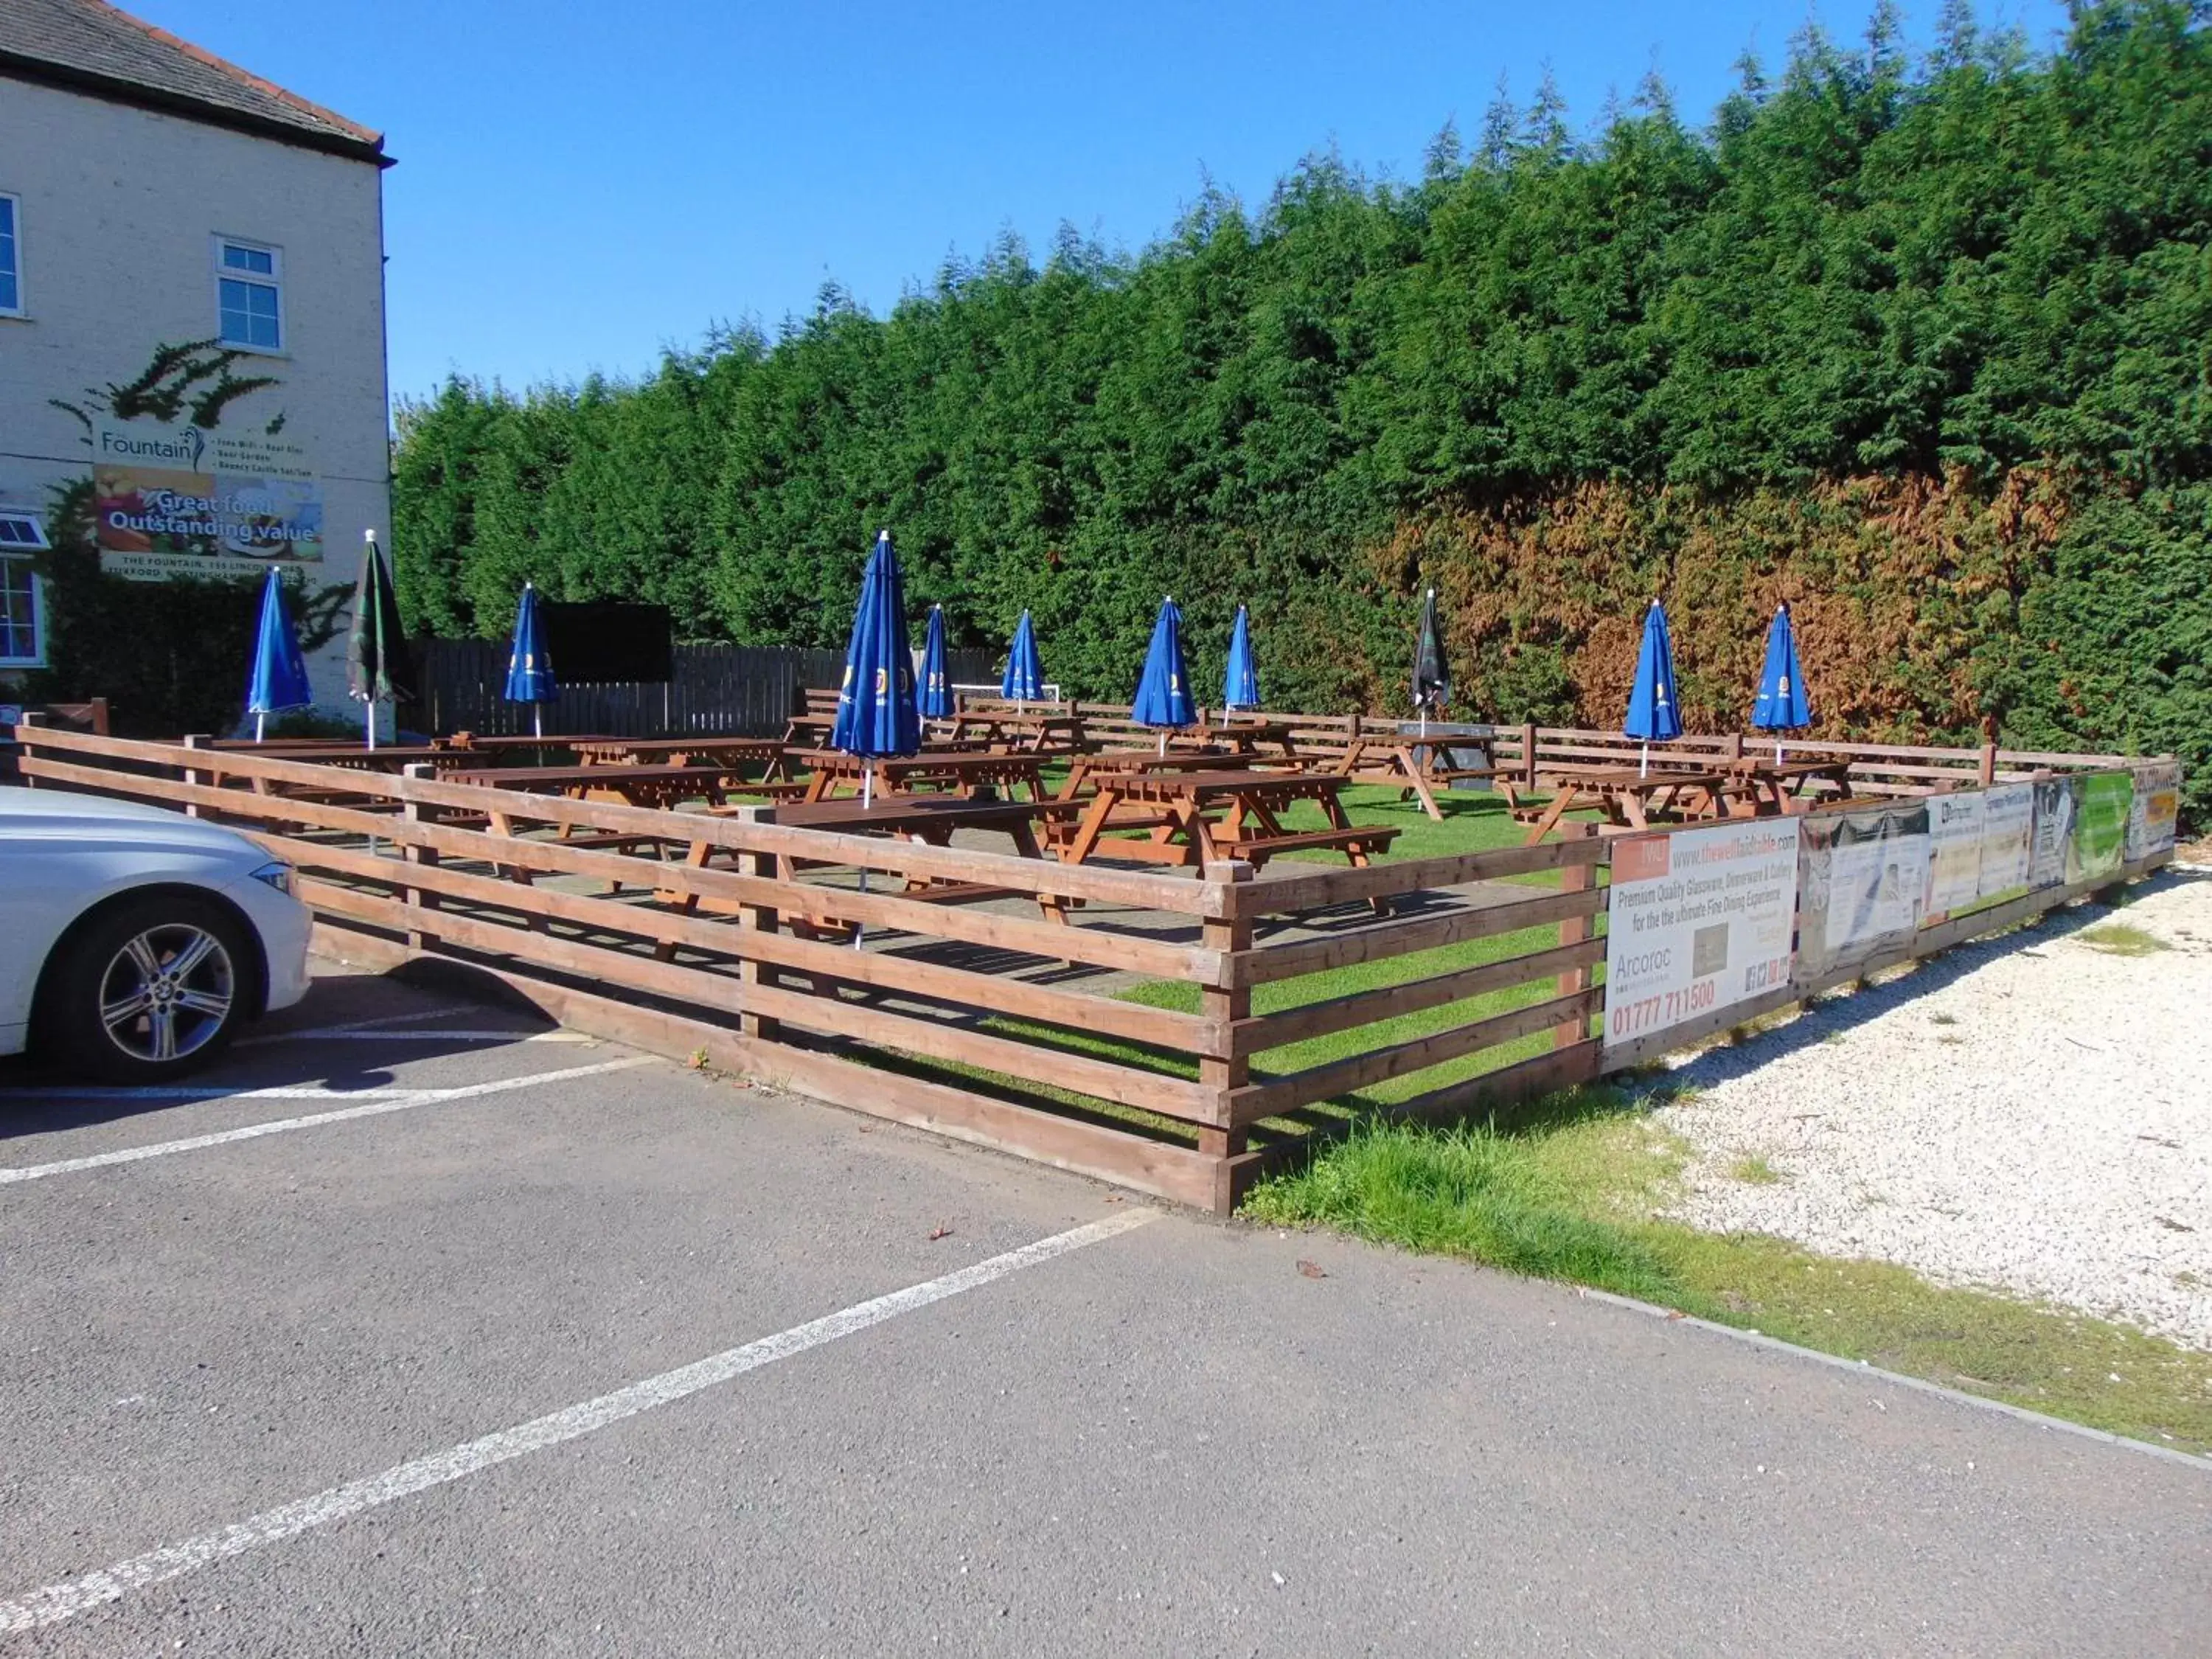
415,1327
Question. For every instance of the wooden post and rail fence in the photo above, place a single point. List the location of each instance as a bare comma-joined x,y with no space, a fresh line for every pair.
693,934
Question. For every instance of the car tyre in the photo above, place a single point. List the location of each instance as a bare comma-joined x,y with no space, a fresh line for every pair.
149,990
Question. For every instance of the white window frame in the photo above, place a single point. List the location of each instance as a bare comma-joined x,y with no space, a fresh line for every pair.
274,280
21,307
22,555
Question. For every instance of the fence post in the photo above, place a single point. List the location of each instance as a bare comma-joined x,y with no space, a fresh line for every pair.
195,740
411,810
1229,934
26,740
1528,754
758,919
1735,745
1573,930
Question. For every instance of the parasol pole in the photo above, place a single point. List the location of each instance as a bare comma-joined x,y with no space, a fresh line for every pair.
867,799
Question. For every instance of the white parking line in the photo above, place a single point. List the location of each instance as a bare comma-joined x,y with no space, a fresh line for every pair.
381,1102
412,1016
58,1602
350,1033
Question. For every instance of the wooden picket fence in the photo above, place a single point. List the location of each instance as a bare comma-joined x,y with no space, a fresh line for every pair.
994,1025
727,689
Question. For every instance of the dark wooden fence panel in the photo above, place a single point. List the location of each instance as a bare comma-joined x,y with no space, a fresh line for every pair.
742,690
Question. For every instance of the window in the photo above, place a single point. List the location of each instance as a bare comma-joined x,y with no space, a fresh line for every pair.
11,256
249,295
22,623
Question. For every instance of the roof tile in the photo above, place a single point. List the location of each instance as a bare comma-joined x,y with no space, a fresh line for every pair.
92,38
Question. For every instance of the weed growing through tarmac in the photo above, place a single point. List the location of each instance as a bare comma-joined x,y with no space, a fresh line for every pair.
2122,938
1580,1191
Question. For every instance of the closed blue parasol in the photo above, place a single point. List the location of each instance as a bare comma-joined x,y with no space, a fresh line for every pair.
1240,684
936,681
876,713
1653,714
1781,705
278,679
529,665
1164,688
1024,680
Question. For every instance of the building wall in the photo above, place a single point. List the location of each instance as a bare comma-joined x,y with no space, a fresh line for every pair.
118,208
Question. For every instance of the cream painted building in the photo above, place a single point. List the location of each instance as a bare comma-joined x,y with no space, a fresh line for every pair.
159,206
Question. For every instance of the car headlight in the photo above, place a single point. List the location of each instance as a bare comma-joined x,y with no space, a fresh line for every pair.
276,873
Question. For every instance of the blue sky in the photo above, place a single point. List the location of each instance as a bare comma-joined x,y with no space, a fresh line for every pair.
581,184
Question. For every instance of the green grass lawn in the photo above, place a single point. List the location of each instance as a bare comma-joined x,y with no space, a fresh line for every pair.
1473,822
1574,1195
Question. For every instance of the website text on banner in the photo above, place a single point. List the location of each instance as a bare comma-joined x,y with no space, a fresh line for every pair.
1699,919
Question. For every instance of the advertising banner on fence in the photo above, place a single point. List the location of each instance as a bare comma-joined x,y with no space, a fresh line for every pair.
1698,919
185,501
2156,815
1955,854
2007,840
2054,832
2102,801
1862,886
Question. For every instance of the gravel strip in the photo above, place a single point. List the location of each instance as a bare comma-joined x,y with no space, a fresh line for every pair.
2031,1113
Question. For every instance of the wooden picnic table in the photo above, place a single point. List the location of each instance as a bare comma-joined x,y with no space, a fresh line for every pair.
1238,736
1627,796
1416,764
929,819
1630,797
1083,768
1197,817
727,753
1040,730
1788,785
635,786
961,772
384,757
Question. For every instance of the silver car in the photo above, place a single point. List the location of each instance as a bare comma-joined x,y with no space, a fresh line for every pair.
135,941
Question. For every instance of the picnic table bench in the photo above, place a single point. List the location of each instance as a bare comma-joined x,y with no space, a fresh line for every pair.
663,787
1083,768
1417,765
1631,797
961,772
1019,728
726,752
1238,736
929,819
1198,817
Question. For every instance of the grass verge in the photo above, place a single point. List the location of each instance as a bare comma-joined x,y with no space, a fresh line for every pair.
1576,1195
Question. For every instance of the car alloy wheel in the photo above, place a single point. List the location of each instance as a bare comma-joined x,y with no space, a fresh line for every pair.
167,993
